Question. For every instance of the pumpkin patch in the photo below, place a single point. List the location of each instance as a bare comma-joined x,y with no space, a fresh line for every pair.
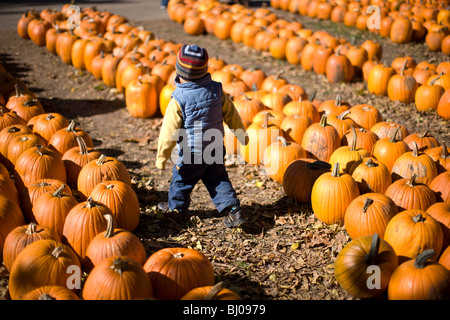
335,180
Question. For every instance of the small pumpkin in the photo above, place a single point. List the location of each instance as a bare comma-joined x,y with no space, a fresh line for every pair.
215,292
371,175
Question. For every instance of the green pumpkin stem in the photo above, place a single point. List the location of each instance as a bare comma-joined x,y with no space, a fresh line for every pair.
212,294
421,260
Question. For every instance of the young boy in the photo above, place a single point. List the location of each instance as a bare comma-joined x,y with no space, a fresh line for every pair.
193,122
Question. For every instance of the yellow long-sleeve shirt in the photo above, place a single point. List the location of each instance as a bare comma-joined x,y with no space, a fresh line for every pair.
173,119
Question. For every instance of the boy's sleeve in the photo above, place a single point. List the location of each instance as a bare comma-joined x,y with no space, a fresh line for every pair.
233,120
166,142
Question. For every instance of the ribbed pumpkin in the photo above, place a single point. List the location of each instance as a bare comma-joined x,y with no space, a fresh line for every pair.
427,96
441,186
386,129
293,127
302,107
21,143
51,209
47,124
248,108
412,231
441,212
365,115
215,292
22,236
65,139
278,155
402,87
347,156
121,199
336,106
6,137
320,140
115,242
10,118
371,175
424,140
444,259
28,109
388,149
51,293
175,271
339,68
8,188
353,261
339,190
408,194
420,278
117,278
441,155
46,254
11,217
414,162
141,98
369,214
37,163
443,108
379,76
83,222
260,136
300,176
341,122
102,169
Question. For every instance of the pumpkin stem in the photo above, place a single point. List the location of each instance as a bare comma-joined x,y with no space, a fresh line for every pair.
40,149
49,117
370,163
212,294
373,252
402,70
58,192
353,147
101,160
119,265
312,96
394,135
412,181
338,101
13,129
343,114
71,127
444,151
415,152
46,296
418,218
423,133
421,259
82,145
367,204
31,229
178,255
30,103
434,79
323,120
284,142
18,93
57,251
109,233
335,172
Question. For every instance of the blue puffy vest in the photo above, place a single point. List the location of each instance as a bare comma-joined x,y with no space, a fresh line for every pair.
201,106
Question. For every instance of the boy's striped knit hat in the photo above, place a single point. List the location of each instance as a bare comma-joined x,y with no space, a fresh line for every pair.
192,62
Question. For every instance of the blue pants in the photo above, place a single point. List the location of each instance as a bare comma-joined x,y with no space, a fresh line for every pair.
214,177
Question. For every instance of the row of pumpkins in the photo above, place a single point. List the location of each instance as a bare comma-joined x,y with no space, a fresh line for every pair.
386,185
265,109
70,210
400,21
425,83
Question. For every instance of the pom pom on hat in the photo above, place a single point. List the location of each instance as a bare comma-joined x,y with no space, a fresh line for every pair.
192,62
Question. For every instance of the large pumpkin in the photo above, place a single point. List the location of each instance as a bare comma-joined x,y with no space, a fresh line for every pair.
320,140
354,260
102,169
420,278
46,254
117,278
83,222
175,271
331,194
412,231
369,214
121,199
115,242
371,175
